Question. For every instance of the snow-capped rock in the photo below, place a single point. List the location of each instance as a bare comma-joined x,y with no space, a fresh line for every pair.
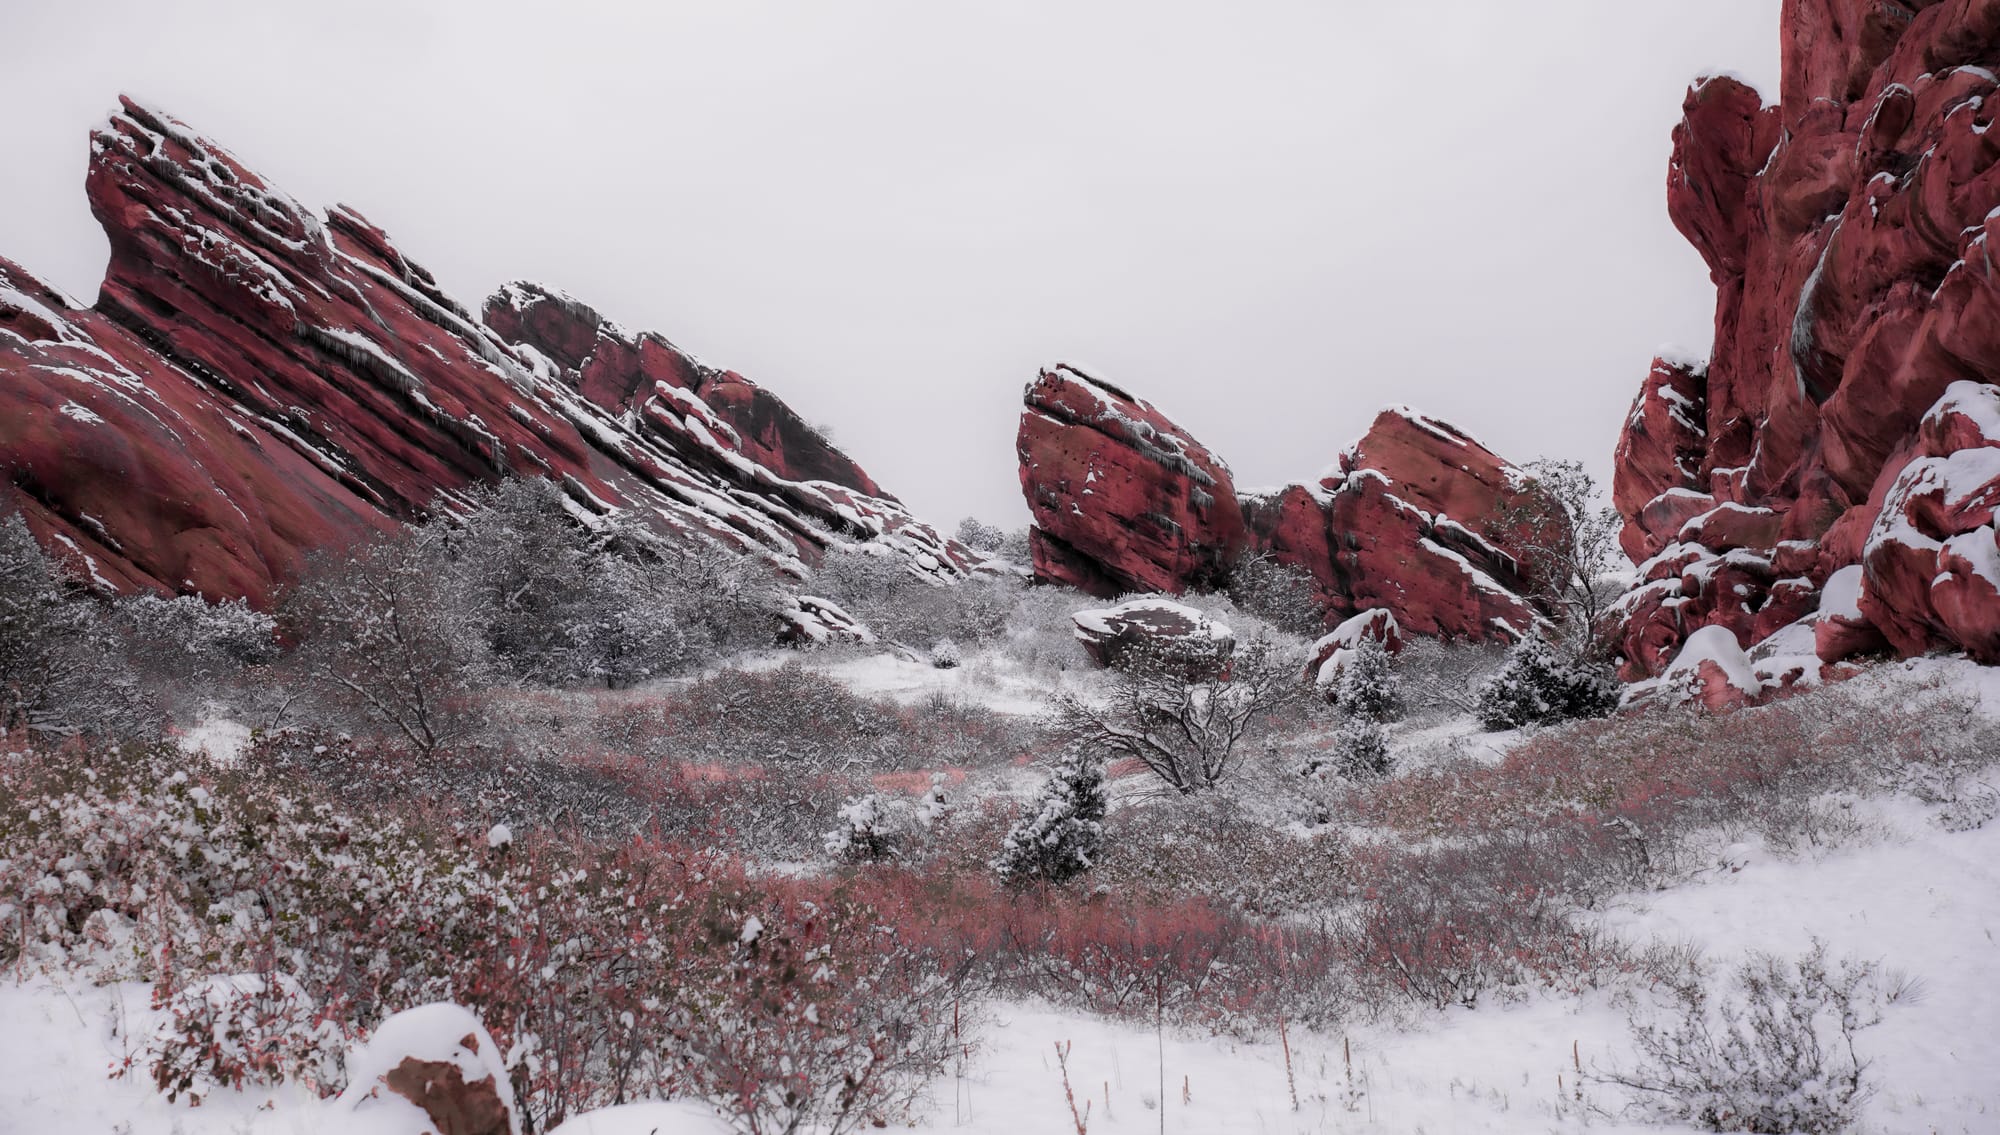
1847,230
1414,518
257,380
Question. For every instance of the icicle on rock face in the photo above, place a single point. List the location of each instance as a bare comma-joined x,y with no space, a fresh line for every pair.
1414,519
1847,231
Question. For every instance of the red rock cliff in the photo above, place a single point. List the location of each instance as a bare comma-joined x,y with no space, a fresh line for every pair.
1847,231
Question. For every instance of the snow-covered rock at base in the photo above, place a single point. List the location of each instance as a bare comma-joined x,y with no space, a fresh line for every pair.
1713,670
676,1117
1162,626
432,1070
809,621
1330,653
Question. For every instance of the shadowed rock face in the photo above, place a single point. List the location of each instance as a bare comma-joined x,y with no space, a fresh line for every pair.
257,381
1847,231
1412,520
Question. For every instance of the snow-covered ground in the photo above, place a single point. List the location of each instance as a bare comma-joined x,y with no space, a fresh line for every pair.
1921,900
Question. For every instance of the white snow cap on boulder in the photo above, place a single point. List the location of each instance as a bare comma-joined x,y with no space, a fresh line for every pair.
1717,645
432,1070
1108,633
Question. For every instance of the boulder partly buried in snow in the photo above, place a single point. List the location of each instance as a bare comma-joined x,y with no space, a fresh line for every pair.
1154,629
1713,670
432,1070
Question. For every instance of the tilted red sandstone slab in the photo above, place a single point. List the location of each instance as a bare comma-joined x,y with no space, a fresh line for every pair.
1122,499
1414,519
290,382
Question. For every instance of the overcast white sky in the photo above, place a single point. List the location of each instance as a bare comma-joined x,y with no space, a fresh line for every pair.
1269,218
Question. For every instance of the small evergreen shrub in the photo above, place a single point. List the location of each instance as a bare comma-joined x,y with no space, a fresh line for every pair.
1368,686
1538,686
1062,830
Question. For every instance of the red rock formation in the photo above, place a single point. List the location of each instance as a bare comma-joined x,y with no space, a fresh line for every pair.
1155,628
255,382
1123,499
1847,231
1414,519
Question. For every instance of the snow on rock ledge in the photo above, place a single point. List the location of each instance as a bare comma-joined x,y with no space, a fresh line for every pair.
1161,627
256,381
1330,654
1848,231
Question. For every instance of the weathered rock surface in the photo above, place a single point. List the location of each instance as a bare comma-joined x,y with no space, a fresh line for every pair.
1847,231
1414,519
1158,628
1122,499
256,381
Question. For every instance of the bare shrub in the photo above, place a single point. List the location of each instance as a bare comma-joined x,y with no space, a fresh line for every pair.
1776,1054
908,607
1283,595
62,669
1189,722
1442,678
393,639
1214,848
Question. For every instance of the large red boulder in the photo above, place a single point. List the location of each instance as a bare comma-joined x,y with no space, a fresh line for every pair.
1122,499
1847,230
1417,518
257,380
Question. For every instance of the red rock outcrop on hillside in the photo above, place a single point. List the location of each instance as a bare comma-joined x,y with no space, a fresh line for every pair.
1413,519
1847,231
256,381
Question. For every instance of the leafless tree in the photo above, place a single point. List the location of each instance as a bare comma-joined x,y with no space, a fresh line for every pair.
1567,542
389,628
1186,719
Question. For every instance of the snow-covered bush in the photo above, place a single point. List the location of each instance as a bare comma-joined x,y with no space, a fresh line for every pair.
273,921
1774,1054
1442,678
1220,849
1061,831
1369,687
945,655
1539,686
388,634
1283,595
62,670
905,606
981,537
1361,749
871,829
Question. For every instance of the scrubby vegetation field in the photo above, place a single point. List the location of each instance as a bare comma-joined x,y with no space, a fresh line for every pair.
956,876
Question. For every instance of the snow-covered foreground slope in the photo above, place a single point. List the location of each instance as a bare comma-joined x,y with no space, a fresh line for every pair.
1921,900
